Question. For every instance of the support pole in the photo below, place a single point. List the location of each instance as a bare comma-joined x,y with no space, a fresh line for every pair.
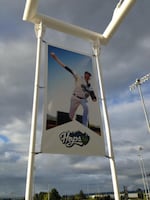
144,107
144,175
96,50
146,180
143,178
30,169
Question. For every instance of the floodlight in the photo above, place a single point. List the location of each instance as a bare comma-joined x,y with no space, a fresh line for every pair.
138,82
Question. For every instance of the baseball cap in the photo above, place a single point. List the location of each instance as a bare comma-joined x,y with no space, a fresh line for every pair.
86,72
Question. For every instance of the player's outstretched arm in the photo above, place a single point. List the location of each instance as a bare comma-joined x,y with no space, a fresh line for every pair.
62,64
57,59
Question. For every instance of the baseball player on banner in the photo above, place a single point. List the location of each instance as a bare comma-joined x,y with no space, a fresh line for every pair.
82,91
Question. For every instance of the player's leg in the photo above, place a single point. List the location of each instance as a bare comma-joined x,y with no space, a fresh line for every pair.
74,104
84,104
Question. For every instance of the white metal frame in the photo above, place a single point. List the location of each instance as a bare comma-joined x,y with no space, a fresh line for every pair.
31,14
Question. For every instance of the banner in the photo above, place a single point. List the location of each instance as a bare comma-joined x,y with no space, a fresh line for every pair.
72,118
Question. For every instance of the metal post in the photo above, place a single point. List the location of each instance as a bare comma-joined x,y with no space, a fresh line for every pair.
144,175
96,47
144,107
48,192
146,179
30,169
144,184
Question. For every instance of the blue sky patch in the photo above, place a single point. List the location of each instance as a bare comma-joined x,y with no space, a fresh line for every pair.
4,138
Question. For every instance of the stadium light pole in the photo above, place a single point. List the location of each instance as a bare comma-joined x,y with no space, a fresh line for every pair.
144,175
138,84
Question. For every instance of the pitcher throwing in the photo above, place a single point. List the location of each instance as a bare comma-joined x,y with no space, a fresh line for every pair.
81,92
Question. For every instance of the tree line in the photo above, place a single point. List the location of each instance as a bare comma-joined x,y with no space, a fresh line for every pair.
54,195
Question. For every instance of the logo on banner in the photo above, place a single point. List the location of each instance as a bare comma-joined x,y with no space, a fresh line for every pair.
69,139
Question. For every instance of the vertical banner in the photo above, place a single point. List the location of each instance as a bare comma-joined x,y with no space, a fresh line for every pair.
72,118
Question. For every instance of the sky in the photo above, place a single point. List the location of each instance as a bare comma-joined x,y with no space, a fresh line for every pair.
124,59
